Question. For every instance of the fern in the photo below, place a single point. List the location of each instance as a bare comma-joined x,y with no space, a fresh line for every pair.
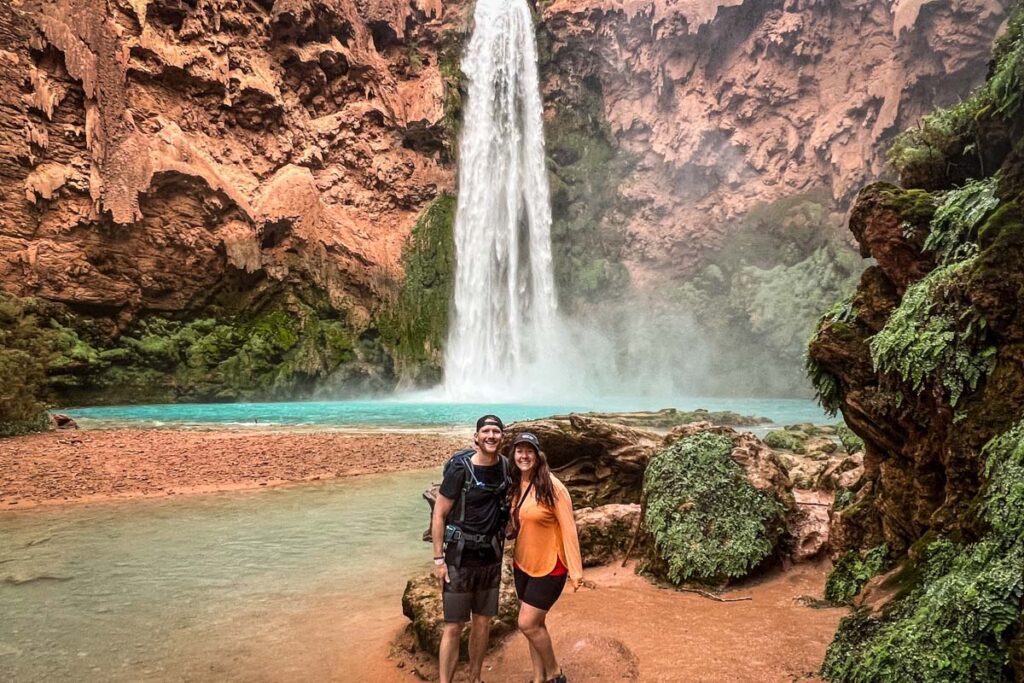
928,338
954,228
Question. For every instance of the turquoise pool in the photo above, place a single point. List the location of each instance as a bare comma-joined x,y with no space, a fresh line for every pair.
412,413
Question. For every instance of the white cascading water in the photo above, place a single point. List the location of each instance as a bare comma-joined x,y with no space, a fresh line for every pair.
505,317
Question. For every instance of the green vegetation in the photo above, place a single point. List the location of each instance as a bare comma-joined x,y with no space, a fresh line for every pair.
962,607
852,571
708,521
770,282
851,442
585,169
954,229
450,65
949,145
25,351
280,351
785,439
932,335
416,326
825,384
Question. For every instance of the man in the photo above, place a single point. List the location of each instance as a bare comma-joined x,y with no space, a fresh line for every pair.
468,530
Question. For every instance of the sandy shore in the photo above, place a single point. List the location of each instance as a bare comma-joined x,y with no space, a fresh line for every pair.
97,465
628,629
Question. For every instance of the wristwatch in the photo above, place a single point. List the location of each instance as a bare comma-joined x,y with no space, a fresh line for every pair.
439,560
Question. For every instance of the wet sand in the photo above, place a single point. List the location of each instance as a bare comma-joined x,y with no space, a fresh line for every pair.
627,629
98,465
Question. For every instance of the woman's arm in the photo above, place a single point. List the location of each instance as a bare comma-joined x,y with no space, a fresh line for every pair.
567,527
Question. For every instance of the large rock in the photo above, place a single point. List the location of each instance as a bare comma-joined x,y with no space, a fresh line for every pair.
599,461
421,604
717,506
605,532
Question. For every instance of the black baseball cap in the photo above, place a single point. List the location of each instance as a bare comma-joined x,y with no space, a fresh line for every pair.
490,420
527,437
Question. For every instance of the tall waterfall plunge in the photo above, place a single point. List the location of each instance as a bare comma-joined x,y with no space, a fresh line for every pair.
505,323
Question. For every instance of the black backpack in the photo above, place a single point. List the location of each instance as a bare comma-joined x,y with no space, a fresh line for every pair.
453,532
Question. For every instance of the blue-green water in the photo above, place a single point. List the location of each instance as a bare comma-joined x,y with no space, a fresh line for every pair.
412,413
179,589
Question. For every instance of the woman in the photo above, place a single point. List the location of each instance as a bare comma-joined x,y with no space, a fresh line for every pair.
547,550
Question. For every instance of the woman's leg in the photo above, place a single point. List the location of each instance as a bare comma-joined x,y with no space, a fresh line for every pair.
538,664
531,623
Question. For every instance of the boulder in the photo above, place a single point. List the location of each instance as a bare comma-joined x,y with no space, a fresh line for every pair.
599,461
718,505
421,604
59,421
605,532
809,525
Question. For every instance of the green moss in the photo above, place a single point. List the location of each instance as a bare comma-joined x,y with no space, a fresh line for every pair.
948,146
26,347
585,168
416,326
450,65
957,618
933,336
851,442
843,499
852,571
793,441
707,520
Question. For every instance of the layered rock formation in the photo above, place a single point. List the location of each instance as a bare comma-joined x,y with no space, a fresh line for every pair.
713,148
187,159
925,363
212,171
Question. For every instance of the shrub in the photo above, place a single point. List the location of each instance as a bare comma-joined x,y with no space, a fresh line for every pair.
954,228
708,521
25,350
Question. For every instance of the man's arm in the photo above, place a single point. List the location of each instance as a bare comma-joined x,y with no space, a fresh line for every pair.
442,506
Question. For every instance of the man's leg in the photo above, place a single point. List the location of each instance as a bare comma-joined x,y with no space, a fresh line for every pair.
538,664
480,631
448,658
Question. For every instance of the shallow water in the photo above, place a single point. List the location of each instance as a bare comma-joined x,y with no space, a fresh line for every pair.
171,589
413,413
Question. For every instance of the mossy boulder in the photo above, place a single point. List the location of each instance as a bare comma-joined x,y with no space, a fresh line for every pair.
713,514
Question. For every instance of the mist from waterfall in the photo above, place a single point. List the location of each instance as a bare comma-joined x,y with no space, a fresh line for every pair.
507,340
505,307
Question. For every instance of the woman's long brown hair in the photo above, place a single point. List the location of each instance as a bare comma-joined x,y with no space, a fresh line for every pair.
543,490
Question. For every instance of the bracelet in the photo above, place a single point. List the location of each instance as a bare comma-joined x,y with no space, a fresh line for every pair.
438,561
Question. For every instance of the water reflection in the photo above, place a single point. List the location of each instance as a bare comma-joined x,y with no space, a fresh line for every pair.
157,589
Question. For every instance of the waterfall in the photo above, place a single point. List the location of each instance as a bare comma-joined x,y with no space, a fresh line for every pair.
502,335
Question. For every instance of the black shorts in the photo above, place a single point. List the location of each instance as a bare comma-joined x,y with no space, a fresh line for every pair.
471,590
539,591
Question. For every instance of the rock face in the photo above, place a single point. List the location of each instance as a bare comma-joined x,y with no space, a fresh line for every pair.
187,160
168,162
724,105
599,462
925,364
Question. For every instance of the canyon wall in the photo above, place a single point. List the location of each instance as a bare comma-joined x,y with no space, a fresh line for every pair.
251,198
258,165
708,152
925,360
